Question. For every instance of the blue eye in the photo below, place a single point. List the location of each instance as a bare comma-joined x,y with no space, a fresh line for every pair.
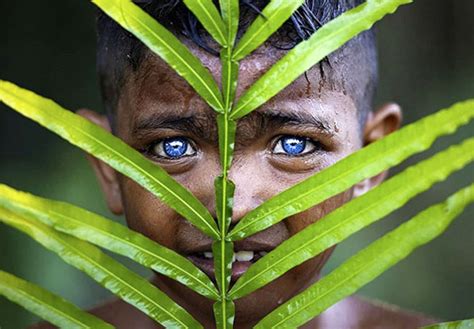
294,145
173,148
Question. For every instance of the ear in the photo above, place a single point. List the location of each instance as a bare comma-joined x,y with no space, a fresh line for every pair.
106,175
384,121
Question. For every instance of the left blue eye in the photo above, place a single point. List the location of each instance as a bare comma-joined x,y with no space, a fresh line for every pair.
293,145
173,148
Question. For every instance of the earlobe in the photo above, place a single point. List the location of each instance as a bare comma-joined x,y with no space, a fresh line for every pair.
106,175
383,122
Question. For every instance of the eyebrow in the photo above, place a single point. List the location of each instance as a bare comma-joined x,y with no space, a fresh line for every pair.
204,125
200,124
274,117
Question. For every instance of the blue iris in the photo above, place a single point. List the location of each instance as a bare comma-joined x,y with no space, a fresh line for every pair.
175,147
293,145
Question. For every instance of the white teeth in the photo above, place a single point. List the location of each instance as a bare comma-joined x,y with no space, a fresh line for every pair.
208,254
263,253
244,256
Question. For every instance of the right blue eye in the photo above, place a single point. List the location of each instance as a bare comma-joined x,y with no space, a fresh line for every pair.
173,148
294,145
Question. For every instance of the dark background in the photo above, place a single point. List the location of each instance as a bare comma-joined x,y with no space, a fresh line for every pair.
427,63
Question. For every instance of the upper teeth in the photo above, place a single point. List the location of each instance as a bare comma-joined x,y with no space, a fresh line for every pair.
240,256
244,256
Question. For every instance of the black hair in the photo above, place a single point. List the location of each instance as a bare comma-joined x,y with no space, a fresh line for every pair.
119,52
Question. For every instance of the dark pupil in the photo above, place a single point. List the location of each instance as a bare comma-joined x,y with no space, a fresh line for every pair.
293,145
175,147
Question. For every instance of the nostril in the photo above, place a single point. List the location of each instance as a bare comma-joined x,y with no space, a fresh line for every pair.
232,225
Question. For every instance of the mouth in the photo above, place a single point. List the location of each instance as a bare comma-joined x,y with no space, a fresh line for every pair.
241,261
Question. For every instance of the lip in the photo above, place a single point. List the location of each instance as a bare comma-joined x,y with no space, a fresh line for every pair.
247,244
207,266
195,244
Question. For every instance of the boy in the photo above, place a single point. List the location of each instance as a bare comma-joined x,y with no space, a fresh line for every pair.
319,119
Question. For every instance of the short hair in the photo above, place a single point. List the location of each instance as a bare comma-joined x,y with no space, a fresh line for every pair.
354,66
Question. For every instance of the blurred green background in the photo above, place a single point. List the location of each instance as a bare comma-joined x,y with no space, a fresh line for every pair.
427,63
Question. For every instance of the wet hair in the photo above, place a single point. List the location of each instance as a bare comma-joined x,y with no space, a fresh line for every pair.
352,68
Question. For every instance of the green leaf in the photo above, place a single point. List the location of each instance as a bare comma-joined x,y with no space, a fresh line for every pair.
363,164
225,188
226,130
110,149
230,76
369,263
463,324
107,234
46,305
272,18
230,14
208,15
223,252
224,314
224,202
353,216
309,52
109,273
166,45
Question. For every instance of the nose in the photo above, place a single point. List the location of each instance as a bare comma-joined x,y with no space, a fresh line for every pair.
252,188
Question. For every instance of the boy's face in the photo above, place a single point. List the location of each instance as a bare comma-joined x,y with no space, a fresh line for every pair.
302,130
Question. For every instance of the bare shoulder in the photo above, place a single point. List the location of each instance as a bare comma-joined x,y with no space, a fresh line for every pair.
116,312
351,313
356,312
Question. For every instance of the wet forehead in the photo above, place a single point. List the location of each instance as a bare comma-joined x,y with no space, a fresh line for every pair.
156,94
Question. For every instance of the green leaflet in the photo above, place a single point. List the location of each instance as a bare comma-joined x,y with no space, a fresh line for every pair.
110,149
463,324
109,273
223,186
224,314
223,252
230,76
224,202
369,263
275,14
363,164
353,216
208,15
226,129
308,53
230,14
166,45
107,234
50,307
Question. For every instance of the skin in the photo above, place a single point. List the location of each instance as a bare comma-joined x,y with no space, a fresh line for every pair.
153,105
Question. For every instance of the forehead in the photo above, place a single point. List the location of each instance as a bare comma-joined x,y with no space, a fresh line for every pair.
156,90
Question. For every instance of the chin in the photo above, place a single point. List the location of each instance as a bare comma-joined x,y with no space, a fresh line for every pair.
251,308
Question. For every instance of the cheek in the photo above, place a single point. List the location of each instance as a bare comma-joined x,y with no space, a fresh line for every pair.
312,267
299,221
146,214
